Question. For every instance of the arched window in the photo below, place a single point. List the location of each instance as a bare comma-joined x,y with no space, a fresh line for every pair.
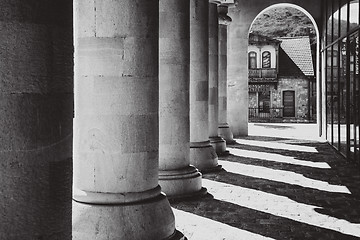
266,59
252,60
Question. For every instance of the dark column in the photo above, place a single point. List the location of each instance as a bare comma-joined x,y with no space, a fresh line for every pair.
36,107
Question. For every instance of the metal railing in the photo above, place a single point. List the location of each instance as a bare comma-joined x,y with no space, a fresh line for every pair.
265,113
263,73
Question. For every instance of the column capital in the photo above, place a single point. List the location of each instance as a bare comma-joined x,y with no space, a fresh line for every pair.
217,2
224,19
228,3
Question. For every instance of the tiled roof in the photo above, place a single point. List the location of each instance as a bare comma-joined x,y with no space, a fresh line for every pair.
299,51
287,67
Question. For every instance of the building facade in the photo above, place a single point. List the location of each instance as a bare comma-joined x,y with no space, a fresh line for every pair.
281,79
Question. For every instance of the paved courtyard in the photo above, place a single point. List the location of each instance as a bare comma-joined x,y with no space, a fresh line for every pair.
280,182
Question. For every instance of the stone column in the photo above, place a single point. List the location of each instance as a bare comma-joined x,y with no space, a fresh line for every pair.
202,154
224,21
217,142
177,177
116,134
237,68
36,107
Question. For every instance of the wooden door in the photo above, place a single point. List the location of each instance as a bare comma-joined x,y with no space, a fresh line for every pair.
289,103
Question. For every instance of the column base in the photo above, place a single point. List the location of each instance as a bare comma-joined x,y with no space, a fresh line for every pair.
177,236
150,219
219,144
225,133
181,183
204,157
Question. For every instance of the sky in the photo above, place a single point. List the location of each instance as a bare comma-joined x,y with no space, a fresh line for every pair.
354,12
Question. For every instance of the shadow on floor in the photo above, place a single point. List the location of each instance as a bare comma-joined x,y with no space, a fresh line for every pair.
257,222
290,194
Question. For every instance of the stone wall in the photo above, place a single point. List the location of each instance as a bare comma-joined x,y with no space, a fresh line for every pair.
300,86
297,84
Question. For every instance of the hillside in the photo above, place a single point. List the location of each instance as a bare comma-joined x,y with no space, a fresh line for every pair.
284,22
343,28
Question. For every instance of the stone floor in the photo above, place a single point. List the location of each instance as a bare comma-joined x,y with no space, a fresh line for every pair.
280,182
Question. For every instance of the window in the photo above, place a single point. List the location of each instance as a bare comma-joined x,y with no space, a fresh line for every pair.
341,54
266,59
334,55
264,102
252,60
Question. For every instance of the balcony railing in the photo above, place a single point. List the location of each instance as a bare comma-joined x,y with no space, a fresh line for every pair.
268,113
263,73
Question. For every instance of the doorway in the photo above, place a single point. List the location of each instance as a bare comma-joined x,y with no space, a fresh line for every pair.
289,103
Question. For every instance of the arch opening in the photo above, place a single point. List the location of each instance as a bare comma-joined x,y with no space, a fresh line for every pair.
273,51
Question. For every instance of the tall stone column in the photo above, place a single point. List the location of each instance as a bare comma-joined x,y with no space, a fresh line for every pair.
217,142
116,134
237,68
202,154
36,107
177,177
224,21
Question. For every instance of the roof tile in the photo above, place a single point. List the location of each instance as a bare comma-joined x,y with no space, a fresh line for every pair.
299,51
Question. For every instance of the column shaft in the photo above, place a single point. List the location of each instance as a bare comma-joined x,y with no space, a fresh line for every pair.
177,178
217,142
36,110
202,154
238,95
224,20
116,139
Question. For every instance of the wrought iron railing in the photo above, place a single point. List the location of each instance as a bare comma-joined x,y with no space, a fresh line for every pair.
263,73
265,113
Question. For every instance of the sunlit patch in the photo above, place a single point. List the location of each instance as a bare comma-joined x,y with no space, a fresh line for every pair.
279,206
199,228
285,130
352,149
276,145
276,158
281,176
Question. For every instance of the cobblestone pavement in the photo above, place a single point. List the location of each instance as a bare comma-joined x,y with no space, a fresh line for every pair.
277,183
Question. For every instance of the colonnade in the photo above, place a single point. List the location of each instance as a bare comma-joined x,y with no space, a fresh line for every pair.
146,116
